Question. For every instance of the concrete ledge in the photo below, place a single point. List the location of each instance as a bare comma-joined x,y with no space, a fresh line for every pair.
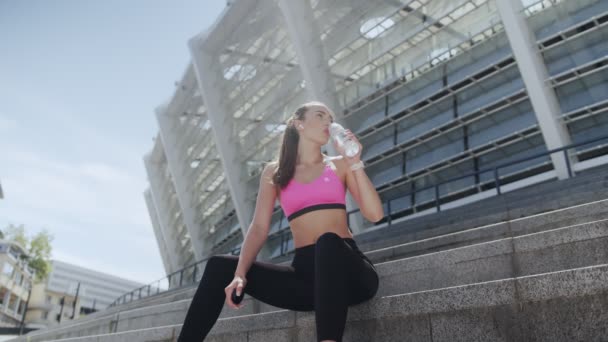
474,263
520,203
554,250
539,307
454,236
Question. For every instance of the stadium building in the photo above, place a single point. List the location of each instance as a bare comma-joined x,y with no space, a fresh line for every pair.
433,89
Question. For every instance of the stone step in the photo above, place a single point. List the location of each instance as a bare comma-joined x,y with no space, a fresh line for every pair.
548,251
491,210
162,298
453,236
404,233
520,206
595,175
554,250
556,218
557,306
597,179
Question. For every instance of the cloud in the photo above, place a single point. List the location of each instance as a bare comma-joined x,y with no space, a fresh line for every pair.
95,189
7,124
98,265
94,209
103,173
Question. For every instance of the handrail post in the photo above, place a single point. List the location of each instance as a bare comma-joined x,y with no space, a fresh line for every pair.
496,182
388,209
194,273
567,163
181,277
437,197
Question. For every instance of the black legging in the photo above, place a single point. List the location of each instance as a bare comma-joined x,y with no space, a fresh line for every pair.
325,277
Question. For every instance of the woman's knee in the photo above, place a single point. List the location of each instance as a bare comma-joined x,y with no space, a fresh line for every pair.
218,263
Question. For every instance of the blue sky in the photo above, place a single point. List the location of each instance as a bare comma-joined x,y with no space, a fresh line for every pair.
79,81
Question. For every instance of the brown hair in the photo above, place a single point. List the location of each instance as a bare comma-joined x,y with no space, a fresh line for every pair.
289,147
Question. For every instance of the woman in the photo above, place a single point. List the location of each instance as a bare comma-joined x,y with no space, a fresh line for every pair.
328,272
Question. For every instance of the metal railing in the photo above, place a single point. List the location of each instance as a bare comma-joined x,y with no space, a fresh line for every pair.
495,183
178,280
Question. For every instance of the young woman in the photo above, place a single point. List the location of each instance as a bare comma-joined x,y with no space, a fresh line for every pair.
328,272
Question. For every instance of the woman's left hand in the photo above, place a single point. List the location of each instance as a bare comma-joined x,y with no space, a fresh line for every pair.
340,149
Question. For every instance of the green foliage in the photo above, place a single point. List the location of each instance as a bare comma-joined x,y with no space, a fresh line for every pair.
38,248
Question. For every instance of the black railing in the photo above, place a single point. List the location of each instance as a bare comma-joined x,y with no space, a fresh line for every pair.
170,280
283,232
495,183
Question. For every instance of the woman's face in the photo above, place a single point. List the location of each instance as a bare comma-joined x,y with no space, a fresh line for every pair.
316,124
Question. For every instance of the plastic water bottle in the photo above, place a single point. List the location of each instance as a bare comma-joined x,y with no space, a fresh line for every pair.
338,133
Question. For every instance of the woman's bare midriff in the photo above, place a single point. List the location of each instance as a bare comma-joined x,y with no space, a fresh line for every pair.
307,228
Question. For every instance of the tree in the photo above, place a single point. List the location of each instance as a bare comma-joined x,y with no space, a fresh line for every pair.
38,248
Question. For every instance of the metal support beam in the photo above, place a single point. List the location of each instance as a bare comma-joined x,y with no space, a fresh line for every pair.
209,77
163,213
183,186
312,59
535,76
158,233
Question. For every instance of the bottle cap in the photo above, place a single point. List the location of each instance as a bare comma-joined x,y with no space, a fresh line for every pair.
335,128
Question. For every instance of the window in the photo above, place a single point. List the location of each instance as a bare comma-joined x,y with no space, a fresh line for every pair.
7,269
45,315
49,299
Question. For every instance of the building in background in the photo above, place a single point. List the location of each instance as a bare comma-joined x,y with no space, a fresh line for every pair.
71,291
15,283
47,308
432,89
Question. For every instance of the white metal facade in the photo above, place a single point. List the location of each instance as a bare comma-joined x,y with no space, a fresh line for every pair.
96,288
432,88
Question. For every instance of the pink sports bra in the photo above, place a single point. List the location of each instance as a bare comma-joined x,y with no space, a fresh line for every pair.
325,192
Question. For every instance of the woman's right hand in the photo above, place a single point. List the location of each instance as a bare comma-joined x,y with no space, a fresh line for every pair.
237,283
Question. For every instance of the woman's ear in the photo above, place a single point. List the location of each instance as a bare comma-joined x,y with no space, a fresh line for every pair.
298,124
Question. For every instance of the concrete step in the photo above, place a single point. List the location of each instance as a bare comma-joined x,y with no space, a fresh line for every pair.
533,200
596,179
548,251
494,209
162,298
403,232
453,236
556,218
554,250
365,247
557,306
528,204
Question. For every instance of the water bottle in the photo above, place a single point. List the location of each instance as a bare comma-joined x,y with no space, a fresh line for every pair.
338,133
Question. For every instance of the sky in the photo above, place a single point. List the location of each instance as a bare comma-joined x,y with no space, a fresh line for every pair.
79,82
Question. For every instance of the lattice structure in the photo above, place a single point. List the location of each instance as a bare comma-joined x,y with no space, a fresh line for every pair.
432,88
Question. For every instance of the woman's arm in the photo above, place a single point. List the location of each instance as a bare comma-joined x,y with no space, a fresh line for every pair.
359,185
260,225
364,193
254,240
